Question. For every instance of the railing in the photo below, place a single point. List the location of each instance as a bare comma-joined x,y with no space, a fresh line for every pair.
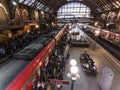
74,19
12,24
9,24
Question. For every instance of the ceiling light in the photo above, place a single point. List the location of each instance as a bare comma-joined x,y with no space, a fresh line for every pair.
14,3
0,4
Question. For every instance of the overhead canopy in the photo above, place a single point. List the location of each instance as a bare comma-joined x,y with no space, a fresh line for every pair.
51,6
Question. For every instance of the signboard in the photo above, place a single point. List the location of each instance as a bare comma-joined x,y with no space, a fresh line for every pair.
56,81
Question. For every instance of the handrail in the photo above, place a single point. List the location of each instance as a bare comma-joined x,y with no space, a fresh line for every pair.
12,24
21,79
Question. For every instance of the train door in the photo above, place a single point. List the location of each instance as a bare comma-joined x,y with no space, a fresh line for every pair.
32,85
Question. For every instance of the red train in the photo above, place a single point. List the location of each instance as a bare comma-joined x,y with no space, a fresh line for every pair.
28,75
108,35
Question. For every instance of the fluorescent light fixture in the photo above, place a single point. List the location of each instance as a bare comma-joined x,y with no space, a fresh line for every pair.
74,70
73,62
14,3
0,4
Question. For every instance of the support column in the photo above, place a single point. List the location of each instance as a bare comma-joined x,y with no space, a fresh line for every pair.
11,8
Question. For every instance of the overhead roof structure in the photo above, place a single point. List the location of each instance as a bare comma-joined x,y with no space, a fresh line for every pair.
51,6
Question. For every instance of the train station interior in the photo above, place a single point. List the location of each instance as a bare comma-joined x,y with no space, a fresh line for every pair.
59,45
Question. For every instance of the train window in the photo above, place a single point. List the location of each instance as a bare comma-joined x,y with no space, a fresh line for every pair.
107,36
111,26
111,37
117,39
2,51
103,34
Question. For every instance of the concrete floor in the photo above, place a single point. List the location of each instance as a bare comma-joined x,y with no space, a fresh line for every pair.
102,59
86,82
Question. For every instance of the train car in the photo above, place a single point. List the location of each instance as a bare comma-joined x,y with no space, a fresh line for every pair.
31,50
19,74
10,70
79,42
77,39
105,34
19,61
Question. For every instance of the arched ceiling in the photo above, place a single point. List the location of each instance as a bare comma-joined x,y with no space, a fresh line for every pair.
97,6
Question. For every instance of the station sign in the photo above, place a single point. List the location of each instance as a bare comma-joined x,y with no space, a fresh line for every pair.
56,81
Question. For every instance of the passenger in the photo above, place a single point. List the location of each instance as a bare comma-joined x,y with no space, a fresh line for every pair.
81,38
40,85
67,56
86,54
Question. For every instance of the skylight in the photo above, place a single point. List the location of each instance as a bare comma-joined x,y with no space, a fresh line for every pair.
31,2
74,9
26,2
73,0
115,5
41,6
99,10
117,2
36,3
20,1
69,0
47,9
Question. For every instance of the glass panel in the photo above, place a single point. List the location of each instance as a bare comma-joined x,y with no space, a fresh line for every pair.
79,5
48,10
118,3
26,2
88,10
69,5
20,1
74,10
83,9
38,4
82,5
51,11
35,4
41,6
115,4
69,10
66,10
69,0
31,2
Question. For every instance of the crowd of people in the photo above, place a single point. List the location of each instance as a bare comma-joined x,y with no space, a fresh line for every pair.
17,42
55,67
